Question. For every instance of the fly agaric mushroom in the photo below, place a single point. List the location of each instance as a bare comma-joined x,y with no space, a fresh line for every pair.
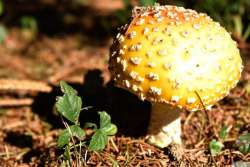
177,59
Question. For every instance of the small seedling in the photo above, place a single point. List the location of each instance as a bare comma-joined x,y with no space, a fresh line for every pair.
215,146
29,22
73,137
29,27
243,143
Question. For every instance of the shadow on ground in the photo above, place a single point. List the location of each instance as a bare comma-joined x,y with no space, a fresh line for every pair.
129,113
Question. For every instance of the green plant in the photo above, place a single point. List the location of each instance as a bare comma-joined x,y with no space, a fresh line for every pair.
29,22
123,15
1,7
243,143
3,33
231,13
215,146
247,87
73,137
147,2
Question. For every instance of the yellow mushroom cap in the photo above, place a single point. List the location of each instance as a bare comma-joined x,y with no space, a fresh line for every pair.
174,55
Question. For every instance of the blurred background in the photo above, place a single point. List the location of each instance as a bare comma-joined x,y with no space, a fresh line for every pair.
53,40
37,38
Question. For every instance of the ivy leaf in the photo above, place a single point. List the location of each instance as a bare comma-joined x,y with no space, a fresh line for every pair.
215,147
69,105
72,131
98,141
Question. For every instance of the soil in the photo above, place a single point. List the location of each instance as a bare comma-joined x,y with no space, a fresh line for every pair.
29,128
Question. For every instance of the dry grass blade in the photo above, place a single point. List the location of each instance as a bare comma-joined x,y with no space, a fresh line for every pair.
25,85
15,102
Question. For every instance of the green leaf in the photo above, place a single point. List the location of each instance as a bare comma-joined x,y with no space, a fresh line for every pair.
72,131
69,105
215,147
63,139
90,125
245,137
29,22
98,141
245,148
110,130
244,143
105,119
105,124
223,132
100,138
147,2
67,89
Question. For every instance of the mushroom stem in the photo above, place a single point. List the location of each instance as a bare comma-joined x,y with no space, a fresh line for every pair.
164,126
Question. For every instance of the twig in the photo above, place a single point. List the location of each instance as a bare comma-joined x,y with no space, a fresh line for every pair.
26,85
67,71
15,102
113,144
204,107
7,152
13,125
190,115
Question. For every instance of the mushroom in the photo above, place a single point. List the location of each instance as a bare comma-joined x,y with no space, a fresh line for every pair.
177,59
